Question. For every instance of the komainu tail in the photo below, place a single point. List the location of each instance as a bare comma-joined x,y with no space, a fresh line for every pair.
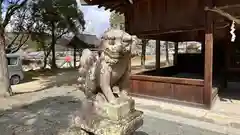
87,68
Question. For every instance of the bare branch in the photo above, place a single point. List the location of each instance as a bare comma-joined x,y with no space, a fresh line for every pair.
13,41
13,1
19,31
1,2
229,6
10,11
223,13
63,33
21,43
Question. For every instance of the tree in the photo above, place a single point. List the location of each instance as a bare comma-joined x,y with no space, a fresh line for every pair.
21,24
8,8
117,21
223,13
59,17
167,52
143,54
42,38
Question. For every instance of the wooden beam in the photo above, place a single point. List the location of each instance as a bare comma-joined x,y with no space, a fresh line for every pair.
158,54
107,7
172,80
118,9
187,29
113,7
100,6
208,56
176,53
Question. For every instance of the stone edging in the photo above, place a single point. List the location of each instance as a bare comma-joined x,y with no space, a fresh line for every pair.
187,112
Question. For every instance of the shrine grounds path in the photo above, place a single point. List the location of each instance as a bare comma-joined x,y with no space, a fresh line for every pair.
45,104
51,112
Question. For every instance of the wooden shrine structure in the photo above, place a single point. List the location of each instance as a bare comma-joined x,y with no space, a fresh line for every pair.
205,21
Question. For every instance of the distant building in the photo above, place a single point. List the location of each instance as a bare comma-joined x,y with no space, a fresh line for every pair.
81,41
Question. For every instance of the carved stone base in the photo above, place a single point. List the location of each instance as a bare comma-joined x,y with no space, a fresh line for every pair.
125,126
120,119
118,111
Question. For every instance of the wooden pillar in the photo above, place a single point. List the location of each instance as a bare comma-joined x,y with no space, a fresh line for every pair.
157,54
175,53
208,56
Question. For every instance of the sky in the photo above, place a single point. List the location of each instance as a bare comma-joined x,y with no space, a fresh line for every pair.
97,19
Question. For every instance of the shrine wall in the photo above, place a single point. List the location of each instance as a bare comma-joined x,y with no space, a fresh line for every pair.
160,16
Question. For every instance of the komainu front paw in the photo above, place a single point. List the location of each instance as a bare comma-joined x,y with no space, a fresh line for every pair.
124,94
113,101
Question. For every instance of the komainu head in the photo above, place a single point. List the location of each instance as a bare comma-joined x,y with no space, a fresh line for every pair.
117,43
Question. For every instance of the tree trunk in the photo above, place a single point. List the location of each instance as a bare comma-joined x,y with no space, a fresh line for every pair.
44,62
75,56
5,86
47,52
143,55
54,65
167,54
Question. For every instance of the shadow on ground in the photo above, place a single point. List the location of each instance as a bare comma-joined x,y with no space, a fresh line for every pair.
57,78
68,78
49,116
32,75
140,133
230,93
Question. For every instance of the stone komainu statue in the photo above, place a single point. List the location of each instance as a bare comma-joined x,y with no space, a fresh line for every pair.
106,76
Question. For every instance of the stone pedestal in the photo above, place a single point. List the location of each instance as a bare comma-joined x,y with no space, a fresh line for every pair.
118,111
119,119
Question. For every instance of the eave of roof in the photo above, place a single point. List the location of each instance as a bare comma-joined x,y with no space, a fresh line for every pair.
112,5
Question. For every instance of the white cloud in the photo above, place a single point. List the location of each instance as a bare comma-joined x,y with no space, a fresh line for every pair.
97,19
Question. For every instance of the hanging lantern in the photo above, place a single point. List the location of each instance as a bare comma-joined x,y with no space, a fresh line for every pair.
232,32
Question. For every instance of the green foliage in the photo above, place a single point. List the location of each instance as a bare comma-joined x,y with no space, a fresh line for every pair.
59,16
41,40
14,9
42,19
117,21
55,18
10,7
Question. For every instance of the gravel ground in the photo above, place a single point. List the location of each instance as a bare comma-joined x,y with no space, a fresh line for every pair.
47,112
52,112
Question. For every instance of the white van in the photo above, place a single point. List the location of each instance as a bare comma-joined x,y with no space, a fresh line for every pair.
15,68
